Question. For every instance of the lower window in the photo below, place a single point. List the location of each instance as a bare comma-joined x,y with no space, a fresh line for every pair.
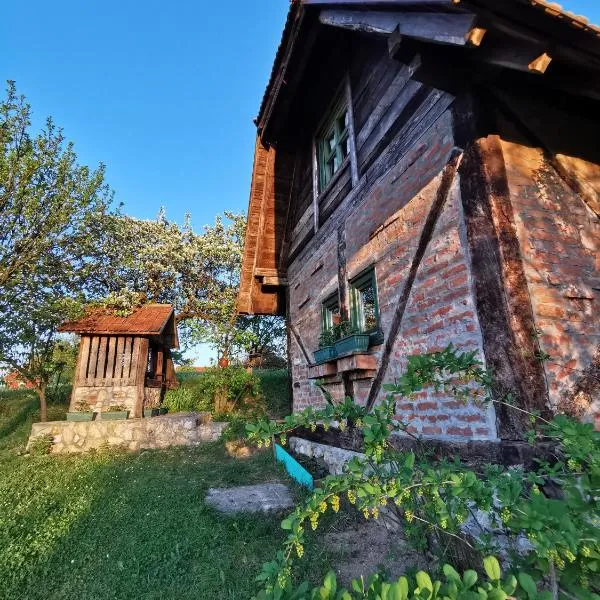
364,305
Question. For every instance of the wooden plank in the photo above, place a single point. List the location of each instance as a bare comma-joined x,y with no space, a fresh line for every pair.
91,372
389,97
119,358
83,359
439,28
127,351
110,361
351,133
135,358
475,37
101,363
159,367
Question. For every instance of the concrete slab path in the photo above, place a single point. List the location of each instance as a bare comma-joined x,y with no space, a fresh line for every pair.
266,497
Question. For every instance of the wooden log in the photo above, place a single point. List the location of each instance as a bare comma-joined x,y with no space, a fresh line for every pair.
83,359
91,372
101,362
110,361
438,28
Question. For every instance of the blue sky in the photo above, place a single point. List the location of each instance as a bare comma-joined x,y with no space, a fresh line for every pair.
163,93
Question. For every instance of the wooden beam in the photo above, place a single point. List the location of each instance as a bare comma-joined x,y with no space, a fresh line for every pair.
439,28
519,55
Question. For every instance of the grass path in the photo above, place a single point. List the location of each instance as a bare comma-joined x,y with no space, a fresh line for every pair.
123,526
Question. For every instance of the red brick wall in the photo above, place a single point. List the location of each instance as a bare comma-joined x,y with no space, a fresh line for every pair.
560,244
383,230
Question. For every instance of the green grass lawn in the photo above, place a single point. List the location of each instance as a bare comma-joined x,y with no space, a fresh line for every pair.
115,525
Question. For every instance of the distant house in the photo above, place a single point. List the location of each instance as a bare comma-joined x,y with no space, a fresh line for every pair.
14,381
430,172
124,361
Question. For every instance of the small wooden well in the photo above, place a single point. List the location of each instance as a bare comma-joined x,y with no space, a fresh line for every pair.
124,361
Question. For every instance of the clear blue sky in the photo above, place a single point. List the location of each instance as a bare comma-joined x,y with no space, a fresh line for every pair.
163,93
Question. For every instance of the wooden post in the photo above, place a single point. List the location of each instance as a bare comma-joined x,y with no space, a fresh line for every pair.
100,364
82,359
138,371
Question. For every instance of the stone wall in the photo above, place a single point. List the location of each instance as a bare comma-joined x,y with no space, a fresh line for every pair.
180,429
101,398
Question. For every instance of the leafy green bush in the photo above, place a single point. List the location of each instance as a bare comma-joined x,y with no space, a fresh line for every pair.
436,498
275,389
181,400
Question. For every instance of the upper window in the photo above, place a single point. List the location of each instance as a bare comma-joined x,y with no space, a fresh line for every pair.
330,313
333,144
363,302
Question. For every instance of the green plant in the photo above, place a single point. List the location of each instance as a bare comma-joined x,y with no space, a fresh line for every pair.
116,408
436,498
42,444
82,406
181,399
327,338
469,586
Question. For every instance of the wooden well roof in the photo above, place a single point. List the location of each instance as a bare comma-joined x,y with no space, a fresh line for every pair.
146,320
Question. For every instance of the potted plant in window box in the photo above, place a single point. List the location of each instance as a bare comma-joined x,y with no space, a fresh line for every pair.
326,349
115,412
82,412
350,340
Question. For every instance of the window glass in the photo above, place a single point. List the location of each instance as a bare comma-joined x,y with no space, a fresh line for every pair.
333,145
330,313
364,303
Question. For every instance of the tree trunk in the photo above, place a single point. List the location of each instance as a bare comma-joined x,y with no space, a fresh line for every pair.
43,403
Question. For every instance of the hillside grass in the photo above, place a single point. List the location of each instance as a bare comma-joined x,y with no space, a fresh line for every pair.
111,525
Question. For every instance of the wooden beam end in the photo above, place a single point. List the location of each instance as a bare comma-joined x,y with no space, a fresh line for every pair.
540,64
475,36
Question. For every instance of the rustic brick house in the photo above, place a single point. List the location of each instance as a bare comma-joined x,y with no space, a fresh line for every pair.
430,170
124,360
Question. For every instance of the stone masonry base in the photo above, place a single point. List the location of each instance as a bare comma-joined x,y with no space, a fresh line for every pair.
179,429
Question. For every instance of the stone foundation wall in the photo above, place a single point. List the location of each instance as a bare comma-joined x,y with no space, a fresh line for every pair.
181,429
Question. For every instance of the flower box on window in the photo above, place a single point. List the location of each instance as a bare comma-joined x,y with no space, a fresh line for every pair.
324,354
352,344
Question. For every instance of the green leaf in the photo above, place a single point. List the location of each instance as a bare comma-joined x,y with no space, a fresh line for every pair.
424,581
409,461
528,584
492,568
286,524
469,578
451,574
